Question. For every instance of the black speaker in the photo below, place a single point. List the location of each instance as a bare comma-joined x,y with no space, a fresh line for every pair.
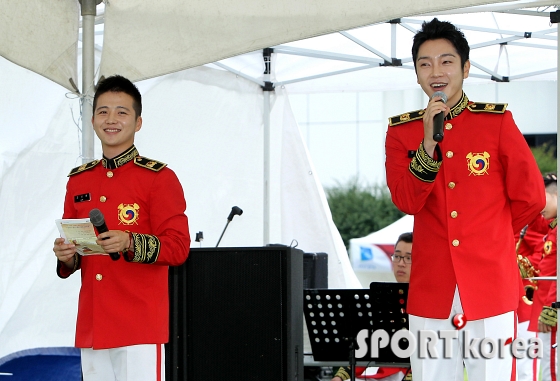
236,313
315,270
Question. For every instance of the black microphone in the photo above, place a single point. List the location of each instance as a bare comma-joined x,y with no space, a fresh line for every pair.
235,211
438,119
98,220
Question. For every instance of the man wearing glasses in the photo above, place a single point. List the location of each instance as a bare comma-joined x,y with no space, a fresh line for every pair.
402,261
402,258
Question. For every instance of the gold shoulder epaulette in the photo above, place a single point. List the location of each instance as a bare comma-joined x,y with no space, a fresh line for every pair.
144,162
406,117
553,223
83,167
496,108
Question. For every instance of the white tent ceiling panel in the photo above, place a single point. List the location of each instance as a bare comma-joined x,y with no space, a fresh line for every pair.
41,36
350,61
202,31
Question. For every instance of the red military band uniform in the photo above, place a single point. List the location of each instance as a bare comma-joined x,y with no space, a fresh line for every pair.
545,293
482,185
125,302
529,246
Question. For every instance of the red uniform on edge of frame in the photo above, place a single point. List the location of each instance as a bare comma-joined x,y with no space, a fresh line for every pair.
151,206
466,210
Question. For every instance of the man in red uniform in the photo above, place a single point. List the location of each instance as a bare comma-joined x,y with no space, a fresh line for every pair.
469,193
543,316
123,310
529,248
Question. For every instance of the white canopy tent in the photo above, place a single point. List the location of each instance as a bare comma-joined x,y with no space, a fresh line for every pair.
208,124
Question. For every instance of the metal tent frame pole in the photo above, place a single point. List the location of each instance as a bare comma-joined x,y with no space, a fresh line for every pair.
267,88
88,12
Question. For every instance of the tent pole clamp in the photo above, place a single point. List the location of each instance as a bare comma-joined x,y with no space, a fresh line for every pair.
555,17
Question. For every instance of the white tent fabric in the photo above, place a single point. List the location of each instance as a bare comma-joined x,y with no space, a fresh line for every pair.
42,36
202,31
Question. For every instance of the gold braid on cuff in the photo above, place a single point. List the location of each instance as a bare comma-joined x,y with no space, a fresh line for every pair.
146,248
423,166
343,373
548,316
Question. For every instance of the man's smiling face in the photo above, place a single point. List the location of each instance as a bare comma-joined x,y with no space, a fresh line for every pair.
438,68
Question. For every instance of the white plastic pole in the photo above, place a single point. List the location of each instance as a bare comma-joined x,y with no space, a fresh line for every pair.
267,89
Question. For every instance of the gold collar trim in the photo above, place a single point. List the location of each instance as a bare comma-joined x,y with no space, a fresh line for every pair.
121,159
458,108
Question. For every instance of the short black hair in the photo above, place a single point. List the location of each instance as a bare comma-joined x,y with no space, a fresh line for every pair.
435,30
405,237
119,84
550,183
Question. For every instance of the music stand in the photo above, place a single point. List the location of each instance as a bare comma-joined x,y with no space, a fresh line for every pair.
335,316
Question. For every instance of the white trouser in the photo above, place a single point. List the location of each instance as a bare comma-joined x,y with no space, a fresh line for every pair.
450,367
133,363
548,362
527,368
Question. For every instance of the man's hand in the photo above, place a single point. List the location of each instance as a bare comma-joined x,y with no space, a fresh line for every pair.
64,252
114,241
544,327
434,107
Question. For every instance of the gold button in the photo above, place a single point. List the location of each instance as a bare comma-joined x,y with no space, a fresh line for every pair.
455,242
109,174
99,277
102,198
451,185
448,126
454,214
449,154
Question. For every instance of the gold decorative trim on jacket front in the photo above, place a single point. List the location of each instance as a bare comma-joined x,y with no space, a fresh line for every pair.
423,166
478,163
146,248
83,167
494,108
154,165
129,213
553,223
406,117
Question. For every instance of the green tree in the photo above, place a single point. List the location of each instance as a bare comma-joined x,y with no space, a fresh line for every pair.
545,155
358,209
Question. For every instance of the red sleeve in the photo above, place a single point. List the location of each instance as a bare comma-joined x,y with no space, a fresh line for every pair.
409,191
524,183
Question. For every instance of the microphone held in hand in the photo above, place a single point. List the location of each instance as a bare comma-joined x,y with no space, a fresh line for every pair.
98,220
438,119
